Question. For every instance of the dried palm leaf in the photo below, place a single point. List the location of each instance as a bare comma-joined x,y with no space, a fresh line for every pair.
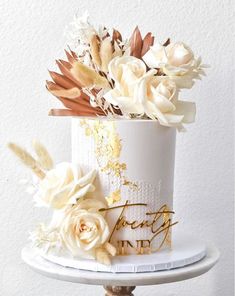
140,46
69,112
44,159
136,43
70,57
68,88
27,160
79,106
71,93
116,36
147,42
62,80
66,72
73,54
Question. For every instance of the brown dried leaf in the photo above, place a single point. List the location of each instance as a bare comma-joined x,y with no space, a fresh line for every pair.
70,57
66,72
107,33
71,93
61,80
65,64
136,43
167,42
68,112
73,54
77,107
51,86
116,35
147,42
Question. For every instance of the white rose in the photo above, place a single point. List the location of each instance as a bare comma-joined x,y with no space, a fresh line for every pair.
177,61
126,71
83,231
139,92
126,67
159,97
64,185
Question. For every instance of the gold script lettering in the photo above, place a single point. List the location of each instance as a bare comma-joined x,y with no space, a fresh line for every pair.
160,222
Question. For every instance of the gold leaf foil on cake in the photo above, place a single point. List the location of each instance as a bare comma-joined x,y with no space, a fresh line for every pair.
114,197
108,147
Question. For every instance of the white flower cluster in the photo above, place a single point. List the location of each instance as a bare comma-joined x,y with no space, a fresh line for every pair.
77,226
139,91
143,79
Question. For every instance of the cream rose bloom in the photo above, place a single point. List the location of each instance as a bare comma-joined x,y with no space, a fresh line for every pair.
64,185
84,229
126,71
139,92
177,61
159,97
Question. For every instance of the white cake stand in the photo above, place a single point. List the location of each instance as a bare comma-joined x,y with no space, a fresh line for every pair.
122,283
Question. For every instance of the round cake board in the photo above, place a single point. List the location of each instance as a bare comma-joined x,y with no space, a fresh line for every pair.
186,250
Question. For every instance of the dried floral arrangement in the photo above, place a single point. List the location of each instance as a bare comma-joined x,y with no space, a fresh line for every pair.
78,226
105,75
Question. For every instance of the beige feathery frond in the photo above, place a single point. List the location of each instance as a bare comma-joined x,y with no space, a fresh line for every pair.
102,256
44,158
95,49
106,54
110,249
27,159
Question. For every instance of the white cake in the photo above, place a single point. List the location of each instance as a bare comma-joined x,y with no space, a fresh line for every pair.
135,164
116,195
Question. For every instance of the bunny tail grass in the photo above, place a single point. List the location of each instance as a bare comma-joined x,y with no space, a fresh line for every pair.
102,256
44,158
26,159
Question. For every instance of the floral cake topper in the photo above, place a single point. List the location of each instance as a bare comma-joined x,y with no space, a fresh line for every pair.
105,75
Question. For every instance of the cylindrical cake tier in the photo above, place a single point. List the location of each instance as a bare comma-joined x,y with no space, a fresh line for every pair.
135,164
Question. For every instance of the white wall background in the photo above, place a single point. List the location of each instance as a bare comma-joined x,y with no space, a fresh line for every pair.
31,37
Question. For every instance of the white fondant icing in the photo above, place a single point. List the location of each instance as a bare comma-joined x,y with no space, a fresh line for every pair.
148,150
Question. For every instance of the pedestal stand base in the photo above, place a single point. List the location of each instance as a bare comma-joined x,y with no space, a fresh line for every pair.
119,291
122,283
